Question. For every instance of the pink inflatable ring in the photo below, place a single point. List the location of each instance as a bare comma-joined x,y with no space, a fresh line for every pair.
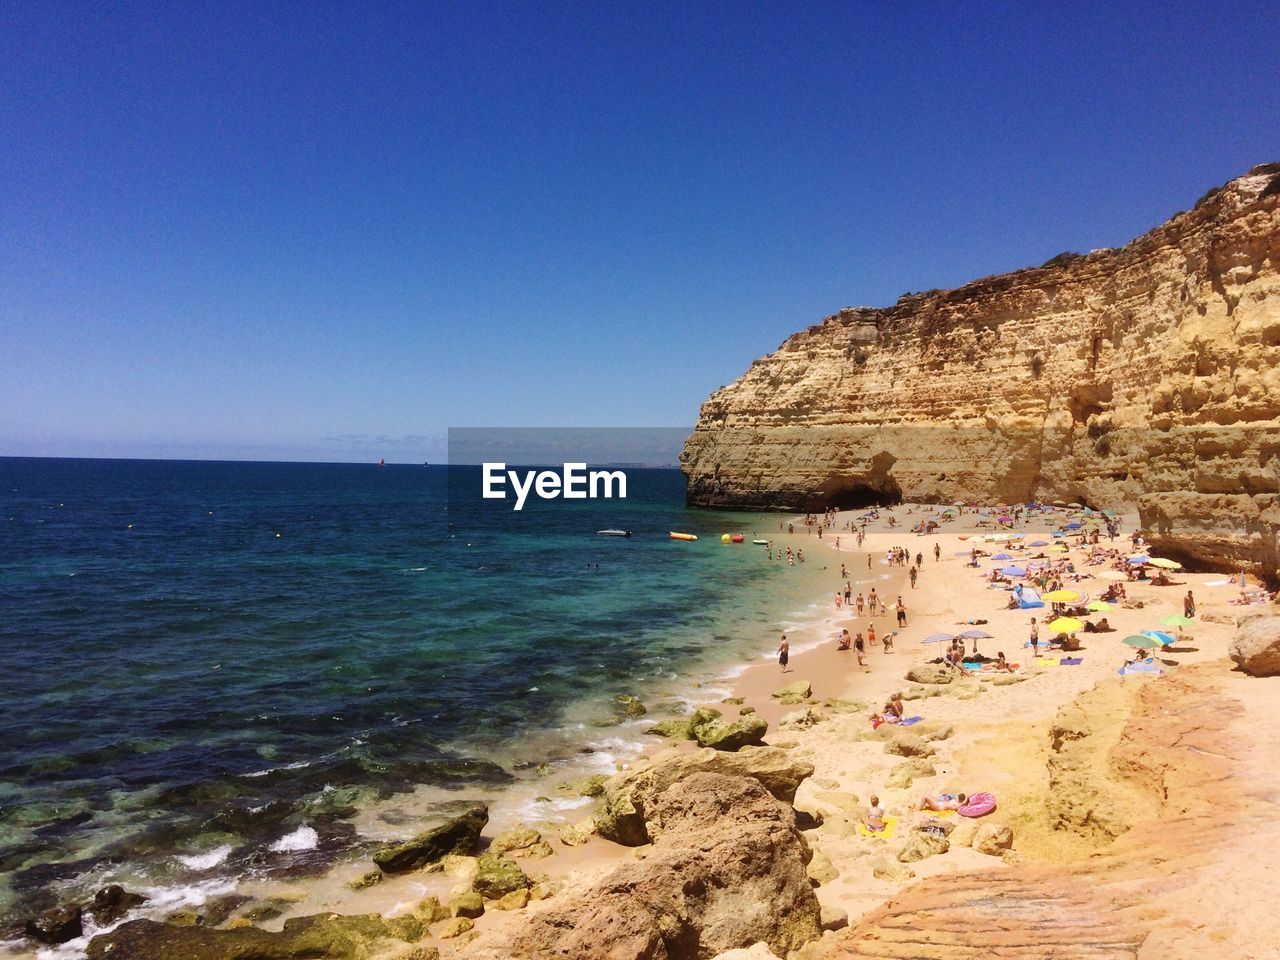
978,805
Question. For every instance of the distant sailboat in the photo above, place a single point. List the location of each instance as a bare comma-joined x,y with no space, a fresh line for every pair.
382,463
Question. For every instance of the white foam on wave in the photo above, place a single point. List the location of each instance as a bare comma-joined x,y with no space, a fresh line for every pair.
304,838
296,765
206,861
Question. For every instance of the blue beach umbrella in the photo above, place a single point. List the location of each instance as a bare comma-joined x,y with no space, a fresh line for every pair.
1003,556
1038,543
1164,638
1013,571
1073,526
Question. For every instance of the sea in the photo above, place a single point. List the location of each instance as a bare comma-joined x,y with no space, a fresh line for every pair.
208,670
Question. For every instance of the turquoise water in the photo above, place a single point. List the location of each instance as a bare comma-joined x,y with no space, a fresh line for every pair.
202,655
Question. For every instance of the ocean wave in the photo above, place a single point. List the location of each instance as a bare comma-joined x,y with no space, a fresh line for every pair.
304,838
206,861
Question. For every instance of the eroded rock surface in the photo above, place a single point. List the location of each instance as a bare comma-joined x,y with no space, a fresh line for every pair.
726,872
1147,375
625,815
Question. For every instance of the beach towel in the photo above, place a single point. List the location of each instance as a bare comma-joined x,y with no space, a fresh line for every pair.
909,721
1217,583
1046,662
972,666
1071,661
890,827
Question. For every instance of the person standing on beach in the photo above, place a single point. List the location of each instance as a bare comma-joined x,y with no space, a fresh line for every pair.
860,648
937,553
913,575
871,634
784,653
902,613
1189,606
1035,638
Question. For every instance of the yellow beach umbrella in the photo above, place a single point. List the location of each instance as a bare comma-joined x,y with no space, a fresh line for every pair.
1165,564
1066,625
1061,596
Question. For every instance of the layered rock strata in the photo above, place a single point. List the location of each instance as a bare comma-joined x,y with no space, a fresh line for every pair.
1146,376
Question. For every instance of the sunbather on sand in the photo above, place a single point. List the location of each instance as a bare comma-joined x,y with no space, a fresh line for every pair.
945,802
874,820
891,712
1003,665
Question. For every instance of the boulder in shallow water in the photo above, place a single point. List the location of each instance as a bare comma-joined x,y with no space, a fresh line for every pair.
56,925
628,795
459,834
325,936
626,705
1256,646
112,902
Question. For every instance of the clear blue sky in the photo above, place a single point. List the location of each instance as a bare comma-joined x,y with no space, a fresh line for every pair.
330,231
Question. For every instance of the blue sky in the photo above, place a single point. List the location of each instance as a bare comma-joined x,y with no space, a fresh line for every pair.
331,231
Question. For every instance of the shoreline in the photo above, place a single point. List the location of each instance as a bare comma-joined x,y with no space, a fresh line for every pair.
833,675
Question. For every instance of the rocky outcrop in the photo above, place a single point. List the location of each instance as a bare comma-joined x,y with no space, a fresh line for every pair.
726,872
1144,376
320,937
1256,646
710,730
626,816
457,835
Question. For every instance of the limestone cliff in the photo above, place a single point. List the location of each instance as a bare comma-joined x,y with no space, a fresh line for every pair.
1146,376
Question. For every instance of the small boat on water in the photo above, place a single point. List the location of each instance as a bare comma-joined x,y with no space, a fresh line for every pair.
761,543
613,533
737,538
682,536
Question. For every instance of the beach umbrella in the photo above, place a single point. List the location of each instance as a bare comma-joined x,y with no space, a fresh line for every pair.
1038,543
1073,525
1066,625
977,635
1139,560
1177,620
1160,636
1111,575
1099,606
1142,642
938,638
1013,571
1062,596
1108,513
1003,556
1076,505
1165,564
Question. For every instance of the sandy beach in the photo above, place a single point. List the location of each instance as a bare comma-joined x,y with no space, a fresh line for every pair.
1058,813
